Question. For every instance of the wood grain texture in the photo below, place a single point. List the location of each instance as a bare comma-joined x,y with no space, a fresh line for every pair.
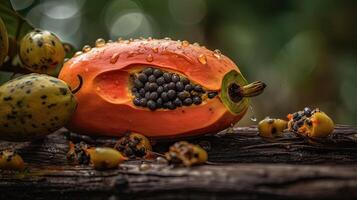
241,166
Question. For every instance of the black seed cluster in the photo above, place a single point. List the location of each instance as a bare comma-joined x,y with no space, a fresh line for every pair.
78,154
129,147
154,88
181,153
301,117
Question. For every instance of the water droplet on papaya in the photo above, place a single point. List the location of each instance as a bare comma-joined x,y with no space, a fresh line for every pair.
86,48
141,38
114,58
202,59
120,40
196,44
66,59
252,117
217,53
155,49
167,38
86,69
185,43
149,38
126,41
110,41
78,53
131,39
99,42
149,58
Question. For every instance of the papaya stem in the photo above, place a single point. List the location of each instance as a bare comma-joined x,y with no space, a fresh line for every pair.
236,92
74,91
253,89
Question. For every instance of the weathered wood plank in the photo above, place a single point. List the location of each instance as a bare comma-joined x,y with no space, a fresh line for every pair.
242,166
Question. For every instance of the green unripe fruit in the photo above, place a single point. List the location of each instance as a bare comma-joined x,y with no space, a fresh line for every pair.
33,106
4,42
41,51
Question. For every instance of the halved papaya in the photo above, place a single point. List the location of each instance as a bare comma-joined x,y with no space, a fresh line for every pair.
159,88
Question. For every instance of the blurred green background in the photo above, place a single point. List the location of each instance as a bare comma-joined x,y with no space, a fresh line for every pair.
305,50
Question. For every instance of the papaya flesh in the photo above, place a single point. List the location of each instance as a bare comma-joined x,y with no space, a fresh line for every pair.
108,102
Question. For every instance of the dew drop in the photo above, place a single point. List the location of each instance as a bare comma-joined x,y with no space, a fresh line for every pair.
86,48
217,53
149,58
252,117
155,49
161,160
110,41
144,167
185,43
149,38
120,40
131,39
141,38
78,53
167,38
114,58
196,44
99,42
66,59
202,59
127,41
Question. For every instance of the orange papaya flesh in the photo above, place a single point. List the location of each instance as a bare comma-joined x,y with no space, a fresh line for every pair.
106,100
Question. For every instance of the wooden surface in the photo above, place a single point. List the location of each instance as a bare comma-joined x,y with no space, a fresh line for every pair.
241,166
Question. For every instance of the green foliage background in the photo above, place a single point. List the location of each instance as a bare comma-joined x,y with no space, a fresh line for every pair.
305,50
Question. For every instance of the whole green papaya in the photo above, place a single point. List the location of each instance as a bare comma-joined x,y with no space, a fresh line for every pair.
34,105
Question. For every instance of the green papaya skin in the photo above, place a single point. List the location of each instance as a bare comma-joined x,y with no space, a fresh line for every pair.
33,106
4,42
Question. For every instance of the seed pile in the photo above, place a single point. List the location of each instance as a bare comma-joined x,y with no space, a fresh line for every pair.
187,154
77,153
298,119
133,145
154,88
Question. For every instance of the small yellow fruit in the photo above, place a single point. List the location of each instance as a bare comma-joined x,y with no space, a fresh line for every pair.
4,42
319,125
104,157
10,160
41,51
271,128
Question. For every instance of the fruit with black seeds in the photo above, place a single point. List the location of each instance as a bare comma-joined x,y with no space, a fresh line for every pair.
108,93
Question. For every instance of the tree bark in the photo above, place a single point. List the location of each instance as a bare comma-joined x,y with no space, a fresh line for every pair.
241,165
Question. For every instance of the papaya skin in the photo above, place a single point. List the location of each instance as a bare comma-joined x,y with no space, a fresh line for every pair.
105,101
